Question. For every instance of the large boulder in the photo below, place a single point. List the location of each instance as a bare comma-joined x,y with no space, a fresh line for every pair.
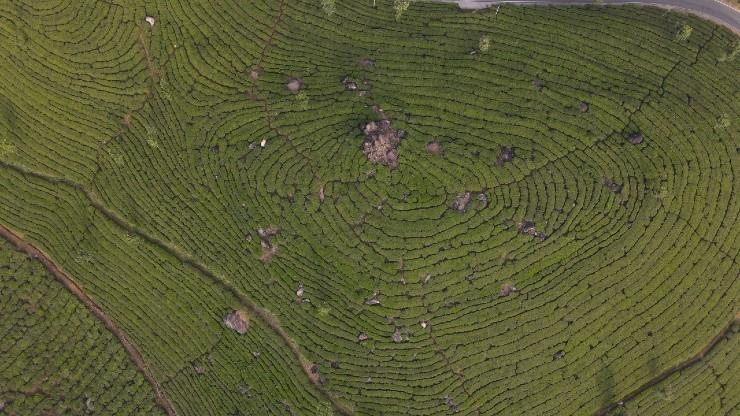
237,320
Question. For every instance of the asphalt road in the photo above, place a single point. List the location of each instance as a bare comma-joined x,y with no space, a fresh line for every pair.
709,9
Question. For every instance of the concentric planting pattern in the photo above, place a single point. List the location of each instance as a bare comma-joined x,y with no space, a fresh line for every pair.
537,259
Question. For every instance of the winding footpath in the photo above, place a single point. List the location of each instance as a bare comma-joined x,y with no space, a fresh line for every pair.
713,10
134,355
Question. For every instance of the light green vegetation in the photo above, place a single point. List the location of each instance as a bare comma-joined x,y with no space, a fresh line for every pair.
55,357
156,217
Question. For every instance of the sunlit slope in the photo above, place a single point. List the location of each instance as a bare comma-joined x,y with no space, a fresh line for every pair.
129,147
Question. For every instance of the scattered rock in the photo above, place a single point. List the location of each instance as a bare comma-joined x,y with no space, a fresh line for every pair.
263,143
538,84
483,199
451,405
558,355
504,155
506,290
381,141
612,185
424,324
266,233
299,291
373,300
461,201
349,85
366,63
583,107
426,279
434,148
237,320
256,354
635,138
268,249
362,337
397,335
268,252
254,73
150,20
294,85
527,227
126,120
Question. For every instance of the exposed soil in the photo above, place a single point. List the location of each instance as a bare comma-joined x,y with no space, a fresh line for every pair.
461,201
504,155
612,185
268,248
506,290
238,321
95,310
349,85
434,148
381,141
635,138
527,227
294,85
366,63
672,370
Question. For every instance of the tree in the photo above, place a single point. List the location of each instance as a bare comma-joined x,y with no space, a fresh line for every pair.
329,6
729,55
400,6
484,43
6,148
683,34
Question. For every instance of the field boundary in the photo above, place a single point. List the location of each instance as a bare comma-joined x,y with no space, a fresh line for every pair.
717,11
133,353
267,317
698,357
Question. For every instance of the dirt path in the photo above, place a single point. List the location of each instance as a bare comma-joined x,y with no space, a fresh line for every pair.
266,316
68,283
672,370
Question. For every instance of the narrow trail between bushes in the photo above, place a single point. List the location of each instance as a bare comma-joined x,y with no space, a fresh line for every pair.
267,317
698,357
27,248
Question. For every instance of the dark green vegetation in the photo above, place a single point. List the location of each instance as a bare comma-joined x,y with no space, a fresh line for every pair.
56,358
131,155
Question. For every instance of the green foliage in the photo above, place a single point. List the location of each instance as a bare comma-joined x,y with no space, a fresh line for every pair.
484,43
684,33
730,54
157,221
329,6
53,344
302,100
400,6
723,121
6,149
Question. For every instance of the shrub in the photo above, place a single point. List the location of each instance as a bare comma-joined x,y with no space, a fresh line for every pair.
484,43
329,6
683,34
400,6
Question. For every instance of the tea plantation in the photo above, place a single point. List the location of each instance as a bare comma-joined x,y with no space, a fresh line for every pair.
56,358
306,207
